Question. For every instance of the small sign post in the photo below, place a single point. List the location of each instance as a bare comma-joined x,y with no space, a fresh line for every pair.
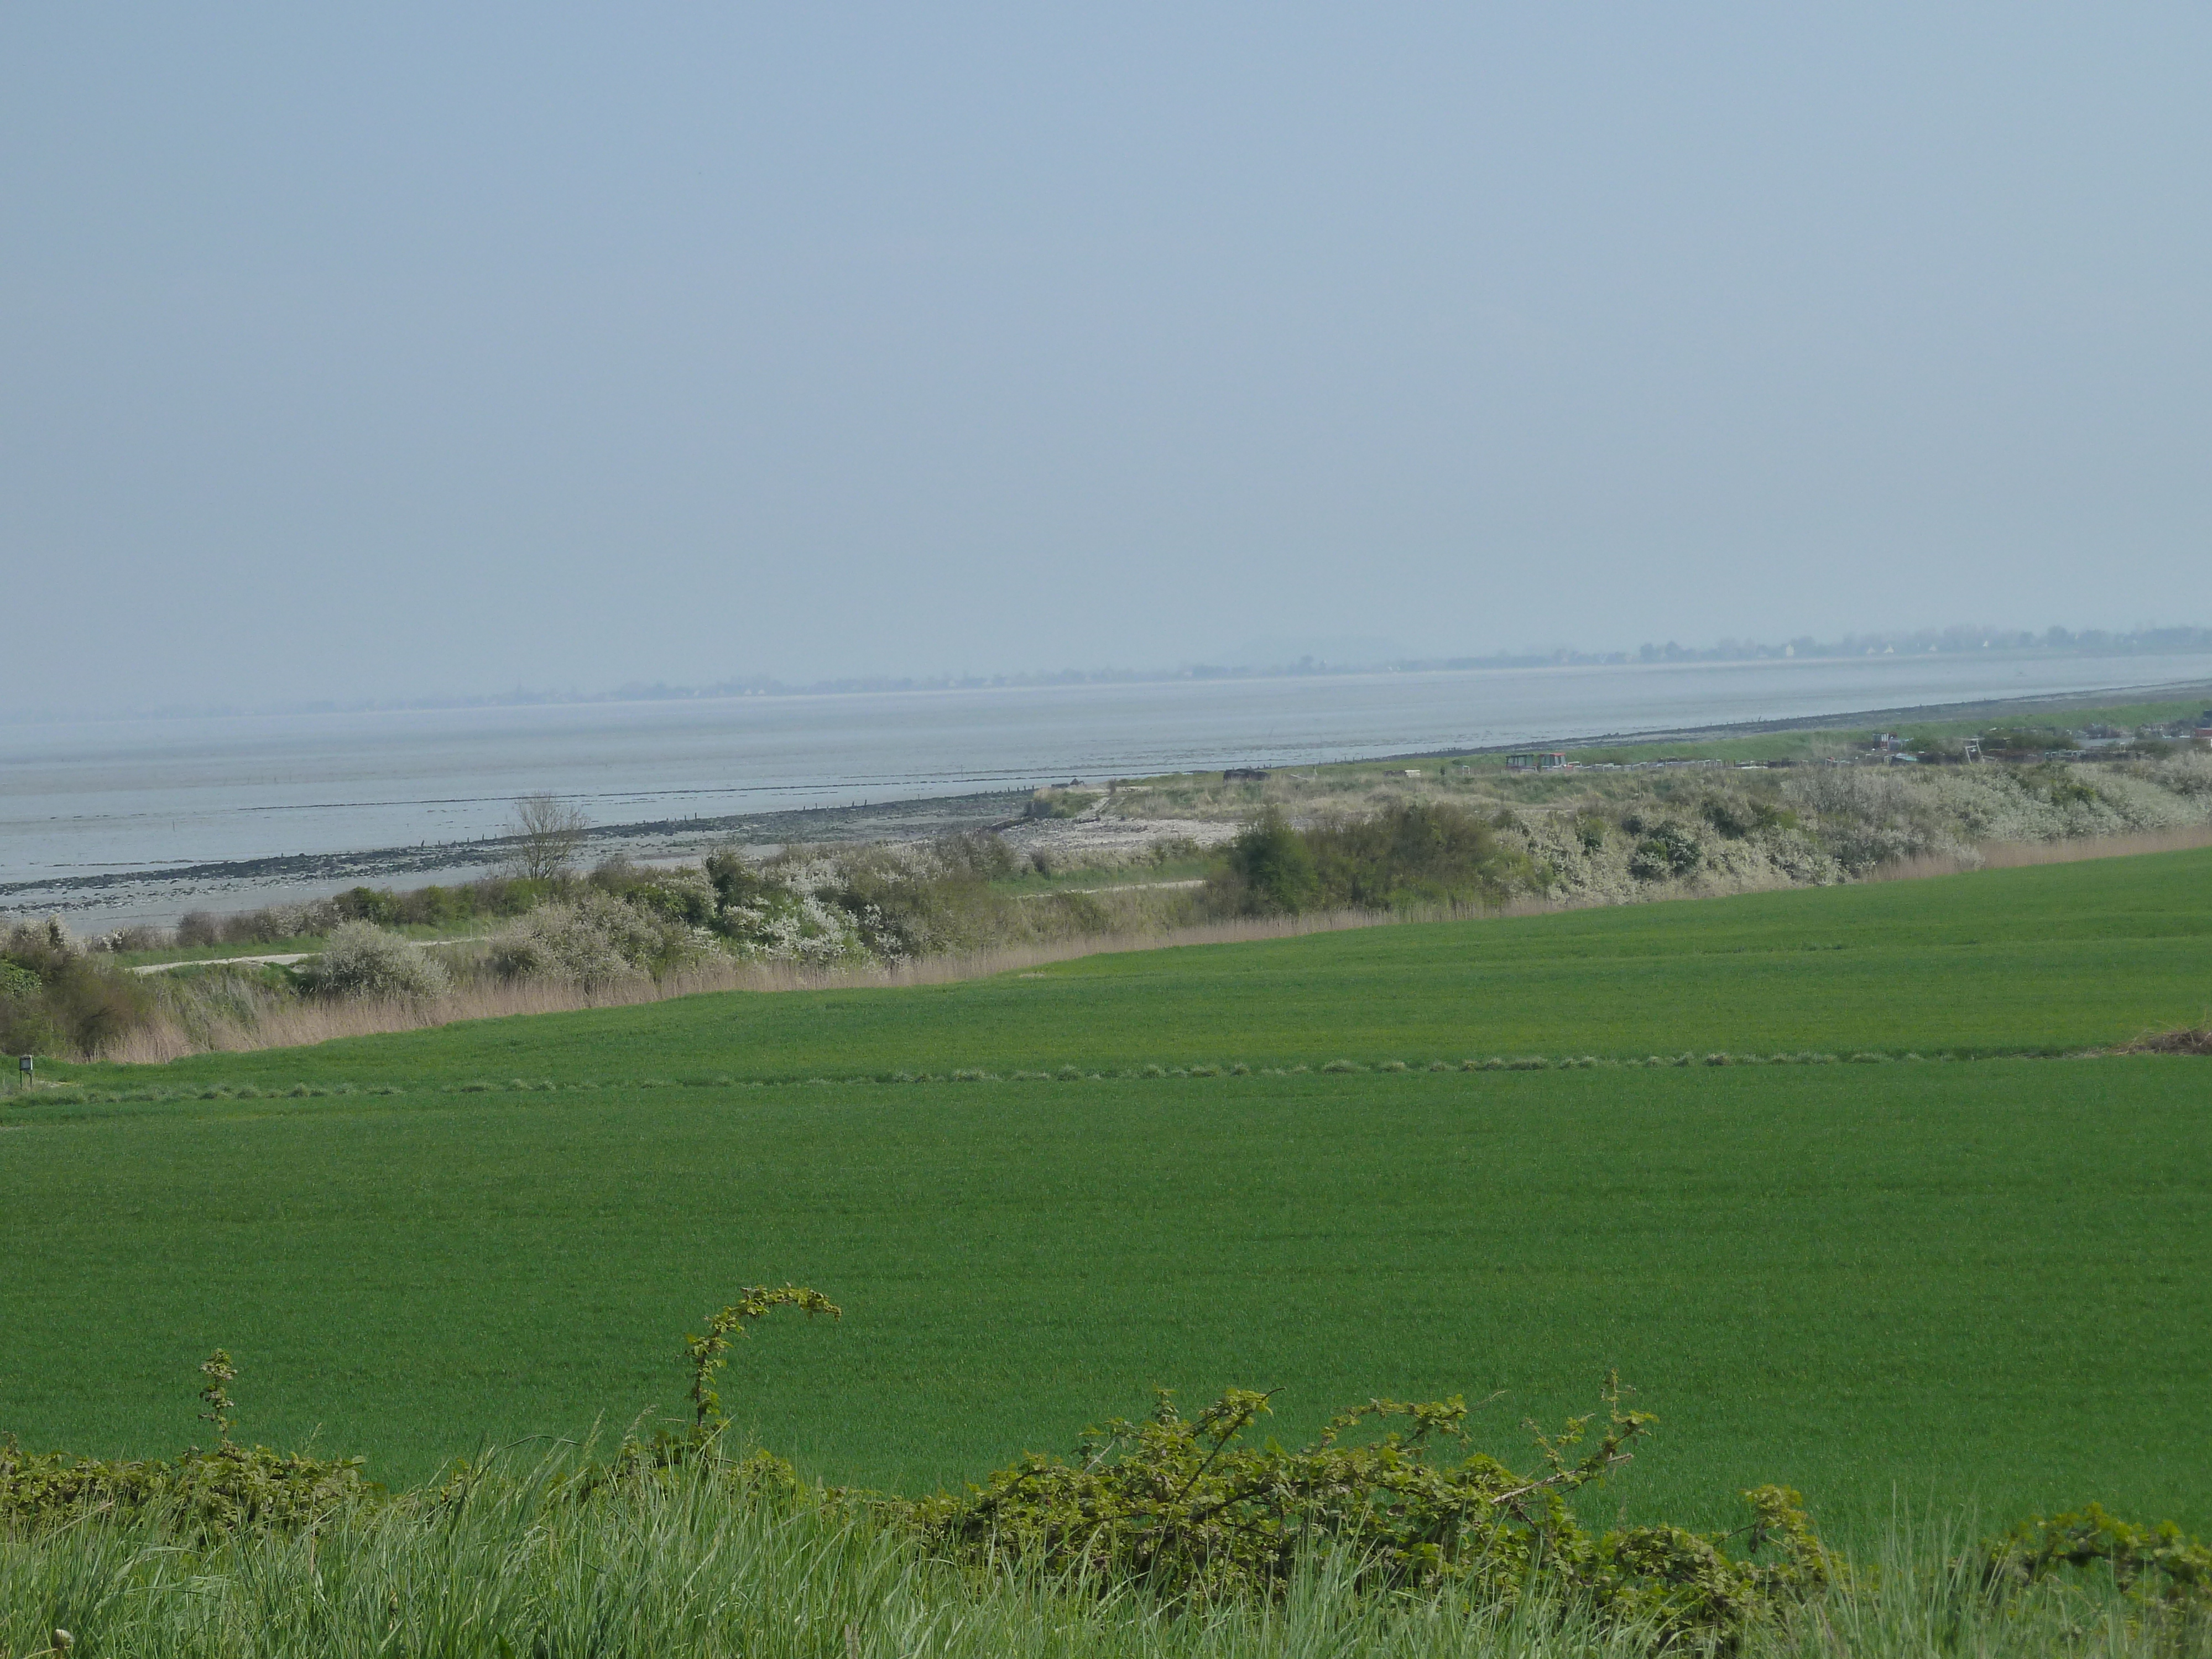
24,1066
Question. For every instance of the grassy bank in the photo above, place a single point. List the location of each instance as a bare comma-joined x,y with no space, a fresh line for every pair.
2033,960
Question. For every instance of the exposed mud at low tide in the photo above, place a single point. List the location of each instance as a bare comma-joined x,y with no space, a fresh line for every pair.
100,899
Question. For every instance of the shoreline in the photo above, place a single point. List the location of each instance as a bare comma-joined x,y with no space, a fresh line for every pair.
123,897
128,896
1991,708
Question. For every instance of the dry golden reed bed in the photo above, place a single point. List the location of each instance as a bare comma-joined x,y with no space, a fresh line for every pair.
2014,854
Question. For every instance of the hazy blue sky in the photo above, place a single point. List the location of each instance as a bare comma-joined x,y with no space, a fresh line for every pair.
381,350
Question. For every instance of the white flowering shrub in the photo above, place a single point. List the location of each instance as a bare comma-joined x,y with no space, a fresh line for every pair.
794,914
364,960
1867,816
1697,841
592,938
39,943
2188,774
1864,817
869,903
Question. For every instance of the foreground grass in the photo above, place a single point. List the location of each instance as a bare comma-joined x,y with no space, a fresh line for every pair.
681,1569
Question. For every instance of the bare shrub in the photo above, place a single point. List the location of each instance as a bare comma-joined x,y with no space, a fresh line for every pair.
198,927
545,833
363,960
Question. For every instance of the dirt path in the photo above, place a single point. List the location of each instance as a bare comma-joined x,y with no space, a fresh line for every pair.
1115,887
281,961
223,962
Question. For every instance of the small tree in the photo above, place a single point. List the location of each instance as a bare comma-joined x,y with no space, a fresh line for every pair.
546,832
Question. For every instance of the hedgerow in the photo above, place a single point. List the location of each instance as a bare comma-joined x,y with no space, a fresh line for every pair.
1188,1509
2160,1562
197,1493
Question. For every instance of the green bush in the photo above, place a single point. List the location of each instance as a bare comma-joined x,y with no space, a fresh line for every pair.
1669,850
1391,1503
1187,1509
1737,818
1268,870
200,1493
735,880
2157,1561
372,904
55,1000
1413,853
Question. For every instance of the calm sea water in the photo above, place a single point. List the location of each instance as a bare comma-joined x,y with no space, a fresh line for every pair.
141,795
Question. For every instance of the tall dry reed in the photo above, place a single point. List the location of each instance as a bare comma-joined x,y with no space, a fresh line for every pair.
2018,854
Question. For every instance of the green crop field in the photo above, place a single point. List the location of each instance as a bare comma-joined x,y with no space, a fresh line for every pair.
1982,1278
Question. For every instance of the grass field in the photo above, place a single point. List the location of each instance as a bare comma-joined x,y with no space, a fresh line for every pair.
1987,1279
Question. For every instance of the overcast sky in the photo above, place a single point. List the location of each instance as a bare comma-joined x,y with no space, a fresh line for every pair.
409,349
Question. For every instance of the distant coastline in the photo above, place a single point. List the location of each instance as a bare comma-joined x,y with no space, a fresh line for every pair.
1989,644
103,895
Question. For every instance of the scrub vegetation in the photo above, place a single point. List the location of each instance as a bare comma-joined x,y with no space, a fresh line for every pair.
1663,830
1352,848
